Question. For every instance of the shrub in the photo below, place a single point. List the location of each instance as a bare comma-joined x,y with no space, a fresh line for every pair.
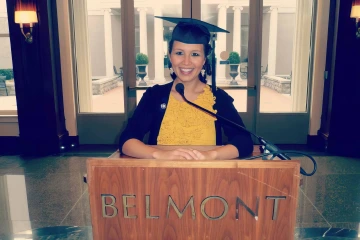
234,58
141,58
8,73
209,58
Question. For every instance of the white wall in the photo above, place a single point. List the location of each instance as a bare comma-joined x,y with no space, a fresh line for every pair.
285,39
67,72
5,50
117,41
322,21
97,44
3,11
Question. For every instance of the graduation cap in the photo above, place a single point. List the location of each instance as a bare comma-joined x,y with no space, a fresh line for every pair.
194,31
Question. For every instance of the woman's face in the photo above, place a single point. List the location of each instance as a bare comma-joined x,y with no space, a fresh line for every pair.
187,60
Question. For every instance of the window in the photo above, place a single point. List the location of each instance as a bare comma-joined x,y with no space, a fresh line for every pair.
7,84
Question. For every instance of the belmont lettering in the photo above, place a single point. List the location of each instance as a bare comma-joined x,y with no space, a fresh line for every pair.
240,202
276,204
126,205
147,200
180,214
171,204
111,205
226,208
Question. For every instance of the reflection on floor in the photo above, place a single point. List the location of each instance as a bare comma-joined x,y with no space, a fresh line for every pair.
46,198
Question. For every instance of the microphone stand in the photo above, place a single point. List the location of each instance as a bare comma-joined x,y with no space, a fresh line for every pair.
267,146
273,150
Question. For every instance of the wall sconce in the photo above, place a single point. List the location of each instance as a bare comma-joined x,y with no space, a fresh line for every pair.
355,13
26,17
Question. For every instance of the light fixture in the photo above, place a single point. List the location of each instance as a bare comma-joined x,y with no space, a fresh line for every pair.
355,13
26,17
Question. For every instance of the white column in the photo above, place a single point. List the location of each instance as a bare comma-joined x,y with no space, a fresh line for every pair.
221,42
83,60
237,32
143,30
109,60
158,46
237,29
272,40
300,62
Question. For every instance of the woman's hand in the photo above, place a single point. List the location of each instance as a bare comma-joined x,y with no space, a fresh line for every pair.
205,155
180,153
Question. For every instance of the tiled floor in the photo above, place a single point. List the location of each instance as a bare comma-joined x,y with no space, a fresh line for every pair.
46,198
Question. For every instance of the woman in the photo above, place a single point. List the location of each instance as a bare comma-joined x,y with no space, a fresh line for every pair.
171,121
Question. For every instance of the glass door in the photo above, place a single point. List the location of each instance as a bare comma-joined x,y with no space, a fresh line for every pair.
121,50
286,60
99,86
270,83
237,53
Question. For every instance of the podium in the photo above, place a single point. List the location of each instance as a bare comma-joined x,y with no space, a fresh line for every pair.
192,199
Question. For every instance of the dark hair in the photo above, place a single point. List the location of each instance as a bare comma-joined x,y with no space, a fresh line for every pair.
207,65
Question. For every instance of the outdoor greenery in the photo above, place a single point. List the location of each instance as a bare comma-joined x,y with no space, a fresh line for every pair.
209,58
234,58
141,58
8,73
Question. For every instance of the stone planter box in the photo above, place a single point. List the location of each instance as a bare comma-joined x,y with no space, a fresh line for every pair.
10,85
104,85
279,84
10,88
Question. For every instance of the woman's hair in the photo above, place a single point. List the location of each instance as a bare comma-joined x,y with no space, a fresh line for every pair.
207,65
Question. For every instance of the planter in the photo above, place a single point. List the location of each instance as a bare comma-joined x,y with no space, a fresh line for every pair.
3,89
142,73
233,73
103,85
279,84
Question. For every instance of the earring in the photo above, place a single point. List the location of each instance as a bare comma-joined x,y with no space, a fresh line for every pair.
202,72
171,71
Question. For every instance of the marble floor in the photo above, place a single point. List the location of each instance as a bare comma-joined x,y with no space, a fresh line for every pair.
46,198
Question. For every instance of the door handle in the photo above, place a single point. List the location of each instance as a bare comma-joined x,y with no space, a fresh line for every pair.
222,87
239,87
137,88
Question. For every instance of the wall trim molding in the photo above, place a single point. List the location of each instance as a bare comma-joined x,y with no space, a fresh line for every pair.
10,145
8,119
317,142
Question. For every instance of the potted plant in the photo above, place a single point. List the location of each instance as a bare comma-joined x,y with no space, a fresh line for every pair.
141,61
234,61
3,85
5,74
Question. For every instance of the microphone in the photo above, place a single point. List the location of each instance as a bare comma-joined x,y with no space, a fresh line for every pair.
274,150
180,89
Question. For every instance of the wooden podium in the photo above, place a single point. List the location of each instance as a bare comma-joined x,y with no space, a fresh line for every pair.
182,199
